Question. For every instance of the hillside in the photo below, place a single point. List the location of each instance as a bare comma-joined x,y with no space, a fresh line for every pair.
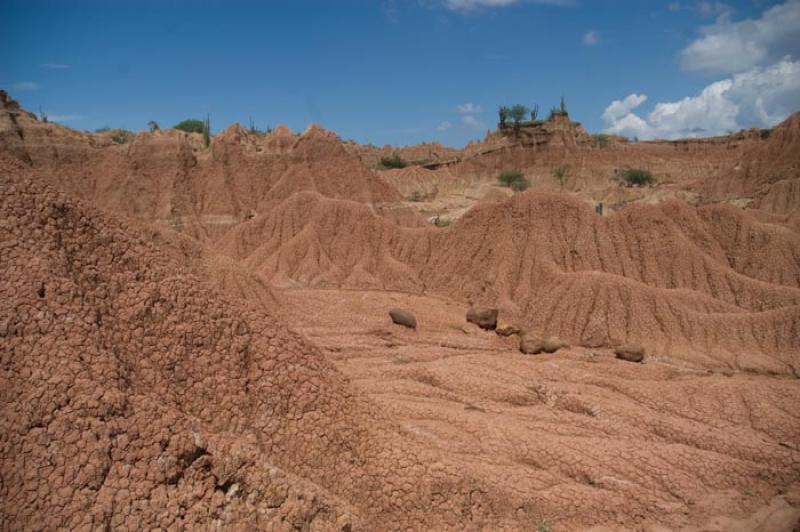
200,336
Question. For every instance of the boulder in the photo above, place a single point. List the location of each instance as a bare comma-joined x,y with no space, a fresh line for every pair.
531,345
506,329
551,344
403,317
483,317
630,352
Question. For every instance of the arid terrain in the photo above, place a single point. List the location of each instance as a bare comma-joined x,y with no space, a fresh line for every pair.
199,337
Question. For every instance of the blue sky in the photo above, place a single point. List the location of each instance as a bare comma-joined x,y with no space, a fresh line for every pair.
401,71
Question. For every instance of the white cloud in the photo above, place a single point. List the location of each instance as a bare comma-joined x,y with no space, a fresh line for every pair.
471,5
63,118
760,97
619,109
729,47
473,123
26,86
590,38
55,66
444,126
714,9
469,108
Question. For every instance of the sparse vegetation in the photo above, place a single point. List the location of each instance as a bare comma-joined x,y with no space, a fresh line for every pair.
515,180
561,110
191,125
207,131
534,112
395,161
503,113
417,196
543,526
118,135
561,174
42,115
517,113
255,131
635,177
442,222
601,140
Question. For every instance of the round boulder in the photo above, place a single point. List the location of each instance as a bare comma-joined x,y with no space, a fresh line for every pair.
551,344
630,352
506,329
531,345
483,317
403,317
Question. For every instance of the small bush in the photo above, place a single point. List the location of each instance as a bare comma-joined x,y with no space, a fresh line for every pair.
601,140
442,222
191,125
515,180
417,196
635,177
507,177
120,136
393,162
561,174
520,185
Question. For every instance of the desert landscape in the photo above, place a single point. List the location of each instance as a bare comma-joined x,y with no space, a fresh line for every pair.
400,265
200,336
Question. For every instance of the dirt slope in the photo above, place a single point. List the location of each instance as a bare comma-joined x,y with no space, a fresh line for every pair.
682,280
133,394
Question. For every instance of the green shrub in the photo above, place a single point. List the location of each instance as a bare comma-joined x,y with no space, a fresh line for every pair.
120,136
417,196
507,177
561,173
442,222
207,131
393,162
517,113
635,177
514,179
601,140
520,185
191,125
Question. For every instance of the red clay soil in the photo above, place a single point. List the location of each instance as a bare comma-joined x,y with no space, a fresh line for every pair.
150,378
135,395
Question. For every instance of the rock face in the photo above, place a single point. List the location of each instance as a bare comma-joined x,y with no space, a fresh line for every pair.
403,317
531,345
551,344
629,352
485,318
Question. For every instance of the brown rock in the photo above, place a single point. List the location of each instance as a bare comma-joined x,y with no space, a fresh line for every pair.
483,317
506,329
403,317
629,352
531,345
551,344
